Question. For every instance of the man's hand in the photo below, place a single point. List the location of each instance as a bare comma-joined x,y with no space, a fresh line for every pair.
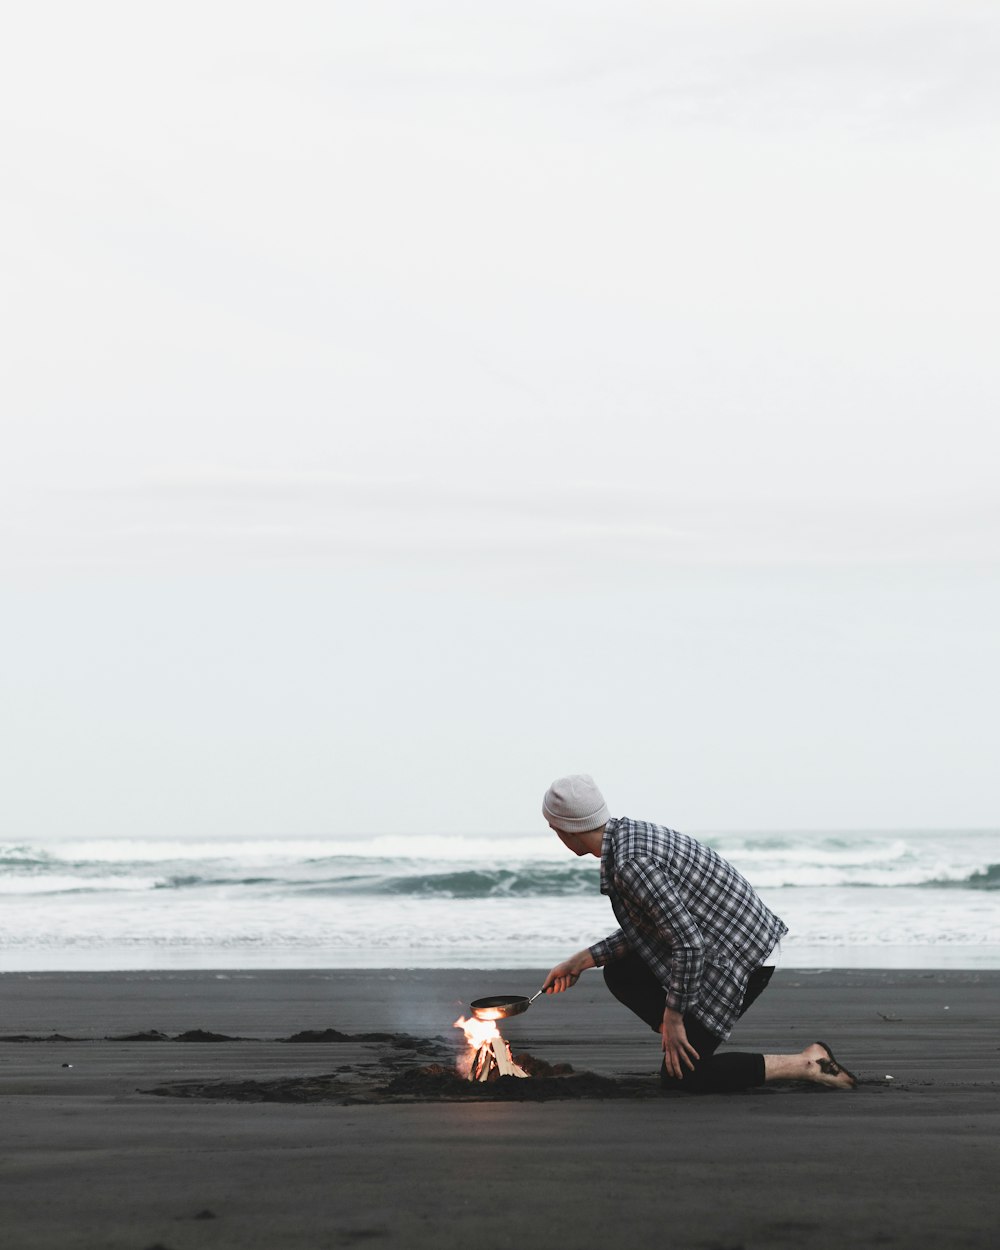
566,974
677,1050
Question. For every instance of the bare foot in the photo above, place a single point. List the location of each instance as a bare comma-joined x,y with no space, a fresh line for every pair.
824,1069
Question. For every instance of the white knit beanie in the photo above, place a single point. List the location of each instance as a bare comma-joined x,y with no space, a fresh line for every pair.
575,805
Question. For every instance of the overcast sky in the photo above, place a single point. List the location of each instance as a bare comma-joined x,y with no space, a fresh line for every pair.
405,403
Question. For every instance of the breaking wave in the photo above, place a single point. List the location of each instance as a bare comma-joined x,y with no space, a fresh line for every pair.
417,901
478,869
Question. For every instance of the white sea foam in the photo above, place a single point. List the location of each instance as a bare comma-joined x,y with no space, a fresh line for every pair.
316,901
444,847
57,883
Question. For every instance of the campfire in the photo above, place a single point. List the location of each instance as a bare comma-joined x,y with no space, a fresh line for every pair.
487,1056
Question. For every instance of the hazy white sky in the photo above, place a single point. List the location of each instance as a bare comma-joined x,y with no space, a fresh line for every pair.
404,403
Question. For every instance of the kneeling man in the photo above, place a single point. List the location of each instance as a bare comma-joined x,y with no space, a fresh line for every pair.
691,953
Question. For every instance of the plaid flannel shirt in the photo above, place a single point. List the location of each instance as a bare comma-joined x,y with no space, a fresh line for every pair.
688,914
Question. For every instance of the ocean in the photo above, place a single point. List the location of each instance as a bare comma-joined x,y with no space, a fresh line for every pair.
928,899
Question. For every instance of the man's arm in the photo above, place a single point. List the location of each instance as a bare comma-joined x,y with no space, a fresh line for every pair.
650,890
614,946
677,1050
566,974
678,957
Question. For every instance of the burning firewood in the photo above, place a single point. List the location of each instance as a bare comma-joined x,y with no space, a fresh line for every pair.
488,1056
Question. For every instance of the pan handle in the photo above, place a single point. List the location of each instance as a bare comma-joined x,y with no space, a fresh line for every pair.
533,997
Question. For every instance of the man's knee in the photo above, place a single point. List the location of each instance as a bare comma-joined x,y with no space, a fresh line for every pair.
632,983
629,979
614,978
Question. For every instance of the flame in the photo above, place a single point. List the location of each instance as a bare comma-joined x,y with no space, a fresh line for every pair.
477,1032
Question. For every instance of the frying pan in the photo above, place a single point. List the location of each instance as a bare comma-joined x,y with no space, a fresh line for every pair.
501,1008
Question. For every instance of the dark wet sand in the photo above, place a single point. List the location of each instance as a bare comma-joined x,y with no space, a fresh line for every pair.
87,1161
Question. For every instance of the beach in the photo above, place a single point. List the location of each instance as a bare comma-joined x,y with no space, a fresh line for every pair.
218,1156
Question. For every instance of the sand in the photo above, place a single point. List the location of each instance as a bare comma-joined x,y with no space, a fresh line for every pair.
271,1143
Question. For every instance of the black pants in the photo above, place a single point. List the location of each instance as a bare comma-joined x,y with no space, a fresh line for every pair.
633,984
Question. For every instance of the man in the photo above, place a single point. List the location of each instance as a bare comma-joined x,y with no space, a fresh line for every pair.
691,953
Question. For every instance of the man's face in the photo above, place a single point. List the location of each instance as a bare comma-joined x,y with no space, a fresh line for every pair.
569,840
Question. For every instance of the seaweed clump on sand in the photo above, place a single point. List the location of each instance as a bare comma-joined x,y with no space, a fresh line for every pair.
147,1035
319,1035
292,1089
28,1037
538,1067
398,1041
435,1083
203,1035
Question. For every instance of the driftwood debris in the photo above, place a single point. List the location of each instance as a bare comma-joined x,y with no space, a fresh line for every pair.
493,1059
